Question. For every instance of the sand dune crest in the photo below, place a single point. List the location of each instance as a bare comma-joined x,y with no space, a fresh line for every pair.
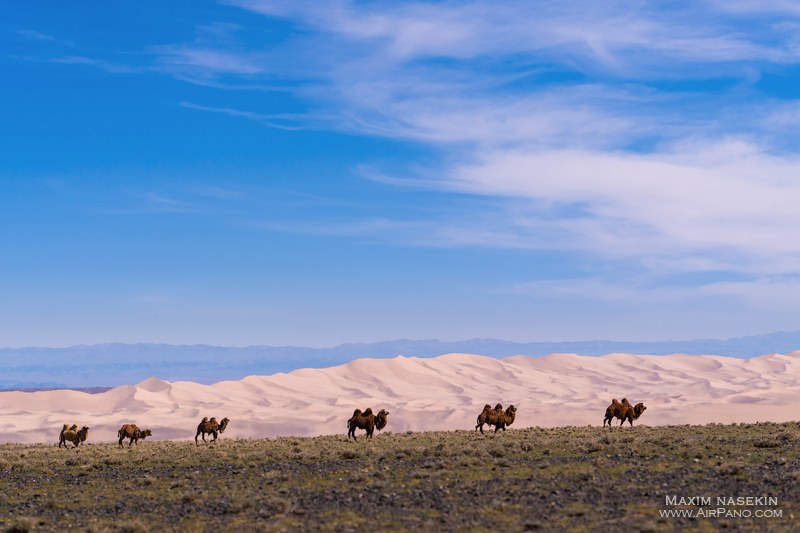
441,393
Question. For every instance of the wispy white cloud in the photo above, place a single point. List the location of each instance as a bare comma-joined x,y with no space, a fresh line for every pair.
598,289
283,121
205,61
710,191
770,293
601,34
561,111
34,35
108,66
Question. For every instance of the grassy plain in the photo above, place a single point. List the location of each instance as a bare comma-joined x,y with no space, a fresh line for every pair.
569,478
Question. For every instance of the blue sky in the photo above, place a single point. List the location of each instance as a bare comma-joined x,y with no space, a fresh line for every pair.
310,173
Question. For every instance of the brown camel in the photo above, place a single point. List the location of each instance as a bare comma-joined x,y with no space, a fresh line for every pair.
210,427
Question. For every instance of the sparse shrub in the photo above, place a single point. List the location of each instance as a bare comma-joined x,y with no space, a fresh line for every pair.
23,524
133,525
594,447
272,506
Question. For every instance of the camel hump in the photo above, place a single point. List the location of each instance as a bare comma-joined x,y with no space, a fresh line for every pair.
368,411
357,412
498,407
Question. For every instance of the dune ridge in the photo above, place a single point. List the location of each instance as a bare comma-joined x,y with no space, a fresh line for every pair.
441,393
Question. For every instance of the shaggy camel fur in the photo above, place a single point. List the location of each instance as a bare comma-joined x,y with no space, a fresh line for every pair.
615,410
624,411
508,418
366,420
132,432
633,413
210,427
72,434
381,419
486,415
496,417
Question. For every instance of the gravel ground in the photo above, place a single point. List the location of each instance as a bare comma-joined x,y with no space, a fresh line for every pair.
574,479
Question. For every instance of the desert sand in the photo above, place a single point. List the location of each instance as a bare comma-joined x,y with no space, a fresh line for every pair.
442,393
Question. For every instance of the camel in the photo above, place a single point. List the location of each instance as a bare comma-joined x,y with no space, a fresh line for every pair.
496,417
624,411
366,420
132,432
210,427
73,435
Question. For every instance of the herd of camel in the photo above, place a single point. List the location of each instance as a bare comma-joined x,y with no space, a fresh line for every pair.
133,433
366,420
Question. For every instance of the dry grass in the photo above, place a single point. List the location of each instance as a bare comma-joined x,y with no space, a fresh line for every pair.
524,479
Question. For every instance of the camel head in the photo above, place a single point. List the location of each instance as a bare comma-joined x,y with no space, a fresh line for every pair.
223,424
381,420
638,409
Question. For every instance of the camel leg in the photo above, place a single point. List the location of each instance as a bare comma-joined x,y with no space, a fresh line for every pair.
195,438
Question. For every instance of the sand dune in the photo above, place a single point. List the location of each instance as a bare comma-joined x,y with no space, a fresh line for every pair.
442,393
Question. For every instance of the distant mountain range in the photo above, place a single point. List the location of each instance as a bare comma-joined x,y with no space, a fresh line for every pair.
105,365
